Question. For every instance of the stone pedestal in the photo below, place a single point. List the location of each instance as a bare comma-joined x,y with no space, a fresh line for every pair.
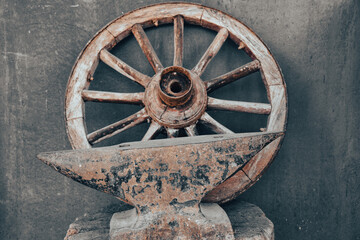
248,222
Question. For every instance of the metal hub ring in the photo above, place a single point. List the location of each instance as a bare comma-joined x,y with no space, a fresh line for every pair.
180,109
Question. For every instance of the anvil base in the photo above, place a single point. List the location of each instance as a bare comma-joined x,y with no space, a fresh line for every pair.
207,221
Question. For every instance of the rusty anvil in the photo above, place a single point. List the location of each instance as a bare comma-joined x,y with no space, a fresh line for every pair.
165,180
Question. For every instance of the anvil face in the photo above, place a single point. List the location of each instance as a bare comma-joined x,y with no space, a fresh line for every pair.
161,178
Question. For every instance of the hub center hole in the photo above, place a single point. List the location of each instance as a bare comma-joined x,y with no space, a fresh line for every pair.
175,82
175,87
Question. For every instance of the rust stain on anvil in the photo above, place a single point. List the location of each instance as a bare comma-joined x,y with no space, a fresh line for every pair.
158,176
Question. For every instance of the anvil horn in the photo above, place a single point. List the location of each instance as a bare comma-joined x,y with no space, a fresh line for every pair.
191,164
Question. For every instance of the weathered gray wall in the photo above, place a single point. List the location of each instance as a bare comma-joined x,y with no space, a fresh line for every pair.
310,192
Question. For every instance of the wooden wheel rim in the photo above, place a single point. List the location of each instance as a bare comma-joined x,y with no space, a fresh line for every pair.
210,18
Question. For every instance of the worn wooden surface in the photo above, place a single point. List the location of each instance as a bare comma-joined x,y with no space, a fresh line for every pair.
311,187
232,76
249,223
123,68
178,40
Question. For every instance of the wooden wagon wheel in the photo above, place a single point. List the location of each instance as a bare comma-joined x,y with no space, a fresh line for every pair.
176,98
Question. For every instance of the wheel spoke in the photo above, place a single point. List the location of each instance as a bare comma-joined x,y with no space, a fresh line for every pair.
121,67
211,51
232,76
153,130
146,47
172,132
178,40
191,130
214,125
238,106
117,127
112,97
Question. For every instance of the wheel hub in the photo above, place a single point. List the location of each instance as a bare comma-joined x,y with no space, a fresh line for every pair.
175,97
